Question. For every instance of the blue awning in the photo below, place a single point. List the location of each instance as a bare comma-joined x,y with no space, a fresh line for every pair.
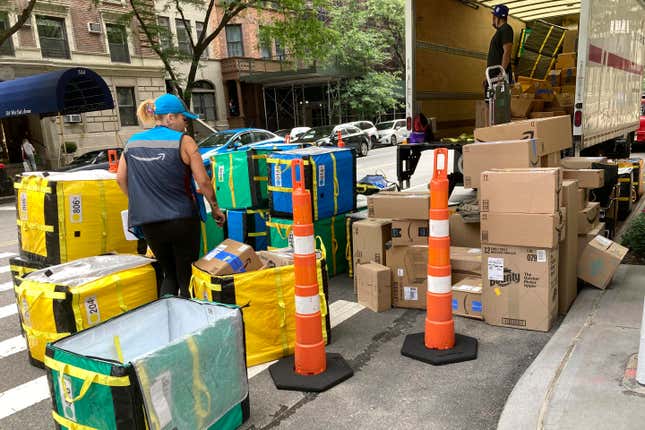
62,92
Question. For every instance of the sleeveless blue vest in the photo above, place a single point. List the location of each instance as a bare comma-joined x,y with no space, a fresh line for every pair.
158,179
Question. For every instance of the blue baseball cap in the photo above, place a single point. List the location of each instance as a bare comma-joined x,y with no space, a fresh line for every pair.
170,103
500,11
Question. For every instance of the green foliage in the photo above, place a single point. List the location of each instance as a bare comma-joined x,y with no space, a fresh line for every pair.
69,147
634,237
374,93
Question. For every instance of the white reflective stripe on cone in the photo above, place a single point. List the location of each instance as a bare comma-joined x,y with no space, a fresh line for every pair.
439,228
307,305
304,245
439,284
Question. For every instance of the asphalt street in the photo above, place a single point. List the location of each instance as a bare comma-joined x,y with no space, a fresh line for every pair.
387,390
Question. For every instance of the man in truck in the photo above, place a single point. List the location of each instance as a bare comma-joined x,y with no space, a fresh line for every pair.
501,45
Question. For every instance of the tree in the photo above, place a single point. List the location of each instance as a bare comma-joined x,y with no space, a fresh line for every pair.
23,15
303,34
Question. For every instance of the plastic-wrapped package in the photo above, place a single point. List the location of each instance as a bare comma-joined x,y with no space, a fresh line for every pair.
66,216
59,300
267,299
171,364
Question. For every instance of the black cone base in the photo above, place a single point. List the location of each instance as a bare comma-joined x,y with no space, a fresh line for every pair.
465,349
285,378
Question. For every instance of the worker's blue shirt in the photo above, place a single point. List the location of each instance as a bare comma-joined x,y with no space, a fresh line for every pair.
158,179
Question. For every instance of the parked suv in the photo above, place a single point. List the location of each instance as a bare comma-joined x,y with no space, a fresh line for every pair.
391,132
368,128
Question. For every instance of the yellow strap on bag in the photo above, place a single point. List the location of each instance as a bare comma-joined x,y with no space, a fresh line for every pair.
71,425
43,334
200,391
62,227
336,185
260,234
117,348
279,228
322,248
279,189
38,188
261,178
348,247
204,238
314,185
334,244
34,226
104,216
231,183
87,376
281,161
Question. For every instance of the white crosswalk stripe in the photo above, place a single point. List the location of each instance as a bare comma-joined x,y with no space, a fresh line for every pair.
8,310
12,346
4,269
23,396
7,255
6,286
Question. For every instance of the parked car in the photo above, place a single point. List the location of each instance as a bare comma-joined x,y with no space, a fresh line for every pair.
91,160
294,133
369,129
230,140
353,137
391,132
640,134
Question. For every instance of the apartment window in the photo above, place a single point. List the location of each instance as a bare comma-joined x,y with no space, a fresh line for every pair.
279,51
165,35
118,43
234,41
199,28
204,100
127,108
53,37
7,47
183,38
266,50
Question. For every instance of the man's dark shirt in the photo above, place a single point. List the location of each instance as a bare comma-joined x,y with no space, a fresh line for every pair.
502,36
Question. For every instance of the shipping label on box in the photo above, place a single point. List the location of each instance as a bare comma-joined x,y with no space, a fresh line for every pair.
555,133
374,286
410,232
587,178
533,191
467,298
584,239
588,217
406,205
520,287
518,229
599,261
479,157
409,265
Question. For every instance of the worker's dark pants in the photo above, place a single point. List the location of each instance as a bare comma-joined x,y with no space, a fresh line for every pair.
175,245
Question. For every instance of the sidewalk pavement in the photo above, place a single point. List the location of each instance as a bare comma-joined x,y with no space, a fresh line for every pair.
584,376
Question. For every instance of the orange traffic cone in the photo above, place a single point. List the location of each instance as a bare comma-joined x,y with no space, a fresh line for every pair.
113,160
311,369
439,344
341,142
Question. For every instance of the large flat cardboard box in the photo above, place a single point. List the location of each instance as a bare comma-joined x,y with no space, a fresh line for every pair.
399,205
228,258
582,197
568,264
531,191
521,105
467,298
465,263
555,133
520,287
374,283
587,178
523,229
464,234
409,265
584,239
566,60
588,217
409,232
369,237
599,261
479,157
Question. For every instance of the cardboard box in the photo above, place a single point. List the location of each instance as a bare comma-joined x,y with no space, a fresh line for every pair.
369,237
465,234
588,217
582,197
564,102
566,60
465,263
397,205
569,76
551,160
479,157
531,191
410,232
535,115
520,287
523,229
374,283
467,298
581,162
555,133
599,261
584,239
228,258
587,178
554,77
568,258
521,105
409,265
279,257
481,114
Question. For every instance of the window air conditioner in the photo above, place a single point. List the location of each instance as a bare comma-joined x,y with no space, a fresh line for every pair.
94,27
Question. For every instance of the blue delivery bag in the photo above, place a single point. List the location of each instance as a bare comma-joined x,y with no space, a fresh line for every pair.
330,176
248,226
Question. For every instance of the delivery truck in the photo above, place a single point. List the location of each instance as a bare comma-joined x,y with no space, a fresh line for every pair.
446,49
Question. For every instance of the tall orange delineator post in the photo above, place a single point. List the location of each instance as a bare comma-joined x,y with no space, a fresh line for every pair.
439,344
310,368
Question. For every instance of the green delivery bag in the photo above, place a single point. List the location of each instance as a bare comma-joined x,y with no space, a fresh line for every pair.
171,364
211,235
240,179
331,233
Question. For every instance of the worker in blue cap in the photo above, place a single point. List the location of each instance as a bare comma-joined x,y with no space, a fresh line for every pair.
501,45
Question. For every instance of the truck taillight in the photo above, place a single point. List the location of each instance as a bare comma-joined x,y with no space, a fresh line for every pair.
577,118
408,123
